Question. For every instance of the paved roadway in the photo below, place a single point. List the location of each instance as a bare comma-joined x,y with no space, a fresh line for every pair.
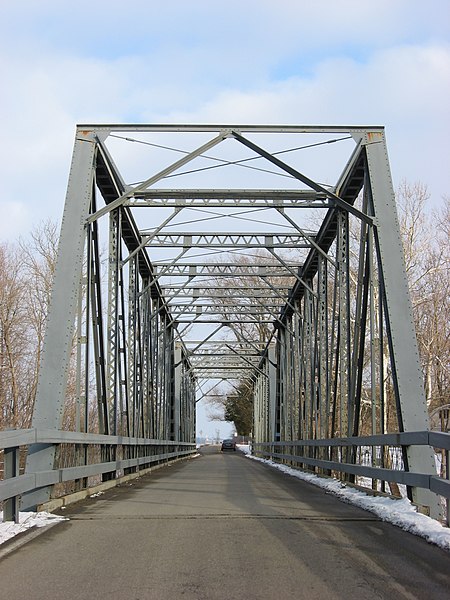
223,527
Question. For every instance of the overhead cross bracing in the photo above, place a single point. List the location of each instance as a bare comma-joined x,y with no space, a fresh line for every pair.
229,198
224,270
257,258
226,240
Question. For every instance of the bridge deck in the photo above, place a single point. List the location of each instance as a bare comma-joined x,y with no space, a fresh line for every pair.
222,526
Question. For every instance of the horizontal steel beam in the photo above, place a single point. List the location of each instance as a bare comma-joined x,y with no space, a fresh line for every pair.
244,294
407,438
226,240
23,437
199,128
168,203
222,270
403,477
224,321
230,310
232,373
230,360
202,288
25,483
224,343
248,194
244,368
198,358
231,297
246,198
249,351
200,303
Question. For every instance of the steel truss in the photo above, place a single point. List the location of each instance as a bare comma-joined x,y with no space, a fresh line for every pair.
147,311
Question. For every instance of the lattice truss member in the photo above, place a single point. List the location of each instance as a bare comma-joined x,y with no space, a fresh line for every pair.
201,261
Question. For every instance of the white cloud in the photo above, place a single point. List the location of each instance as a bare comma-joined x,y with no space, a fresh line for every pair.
294,62
405,89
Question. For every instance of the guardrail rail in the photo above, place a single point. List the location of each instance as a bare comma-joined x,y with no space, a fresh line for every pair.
80,456
340,457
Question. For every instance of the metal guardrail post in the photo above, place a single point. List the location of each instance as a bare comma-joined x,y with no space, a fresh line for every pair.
11,505
447,475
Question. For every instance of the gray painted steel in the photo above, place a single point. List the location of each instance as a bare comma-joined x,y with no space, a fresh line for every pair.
408,372
49,404
173,275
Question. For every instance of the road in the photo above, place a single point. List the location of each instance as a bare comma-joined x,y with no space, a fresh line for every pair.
222,526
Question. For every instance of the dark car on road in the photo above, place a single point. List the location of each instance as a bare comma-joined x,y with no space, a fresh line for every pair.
228,445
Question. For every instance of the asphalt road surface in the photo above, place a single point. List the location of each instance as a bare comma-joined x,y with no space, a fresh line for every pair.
222,526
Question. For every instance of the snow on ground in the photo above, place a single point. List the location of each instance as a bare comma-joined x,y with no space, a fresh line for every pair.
398,512
27,520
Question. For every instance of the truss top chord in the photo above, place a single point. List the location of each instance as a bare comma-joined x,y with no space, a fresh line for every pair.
199,128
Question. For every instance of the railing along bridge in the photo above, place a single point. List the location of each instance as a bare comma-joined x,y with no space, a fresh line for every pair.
200,260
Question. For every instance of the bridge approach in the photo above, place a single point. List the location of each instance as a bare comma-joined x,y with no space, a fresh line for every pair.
223,527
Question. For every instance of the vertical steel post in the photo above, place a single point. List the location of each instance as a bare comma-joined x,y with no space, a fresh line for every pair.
177,394
343,324
11,469
49,404
133,348
272,399
113,313
308,345
322,366
398,314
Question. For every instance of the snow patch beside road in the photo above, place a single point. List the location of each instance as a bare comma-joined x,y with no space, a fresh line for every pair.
400,512
27,520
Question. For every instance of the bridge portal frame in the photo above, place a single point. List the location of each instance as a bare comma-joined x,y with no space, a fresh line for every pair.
119,376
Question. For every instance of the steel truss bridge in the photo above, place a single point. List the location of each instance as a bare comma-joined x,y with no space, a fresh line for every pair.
200,260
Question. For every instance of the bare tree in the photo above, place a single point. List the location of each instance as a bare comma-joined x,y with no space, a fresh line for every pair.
15,354
26,274
256,329
427,256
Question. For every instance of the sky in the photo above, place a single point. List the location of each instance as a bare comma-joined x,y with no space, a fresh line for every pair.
352,62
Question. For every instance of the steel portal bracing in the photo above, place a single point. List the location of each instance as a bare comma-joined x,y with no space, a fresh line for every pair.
162,296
